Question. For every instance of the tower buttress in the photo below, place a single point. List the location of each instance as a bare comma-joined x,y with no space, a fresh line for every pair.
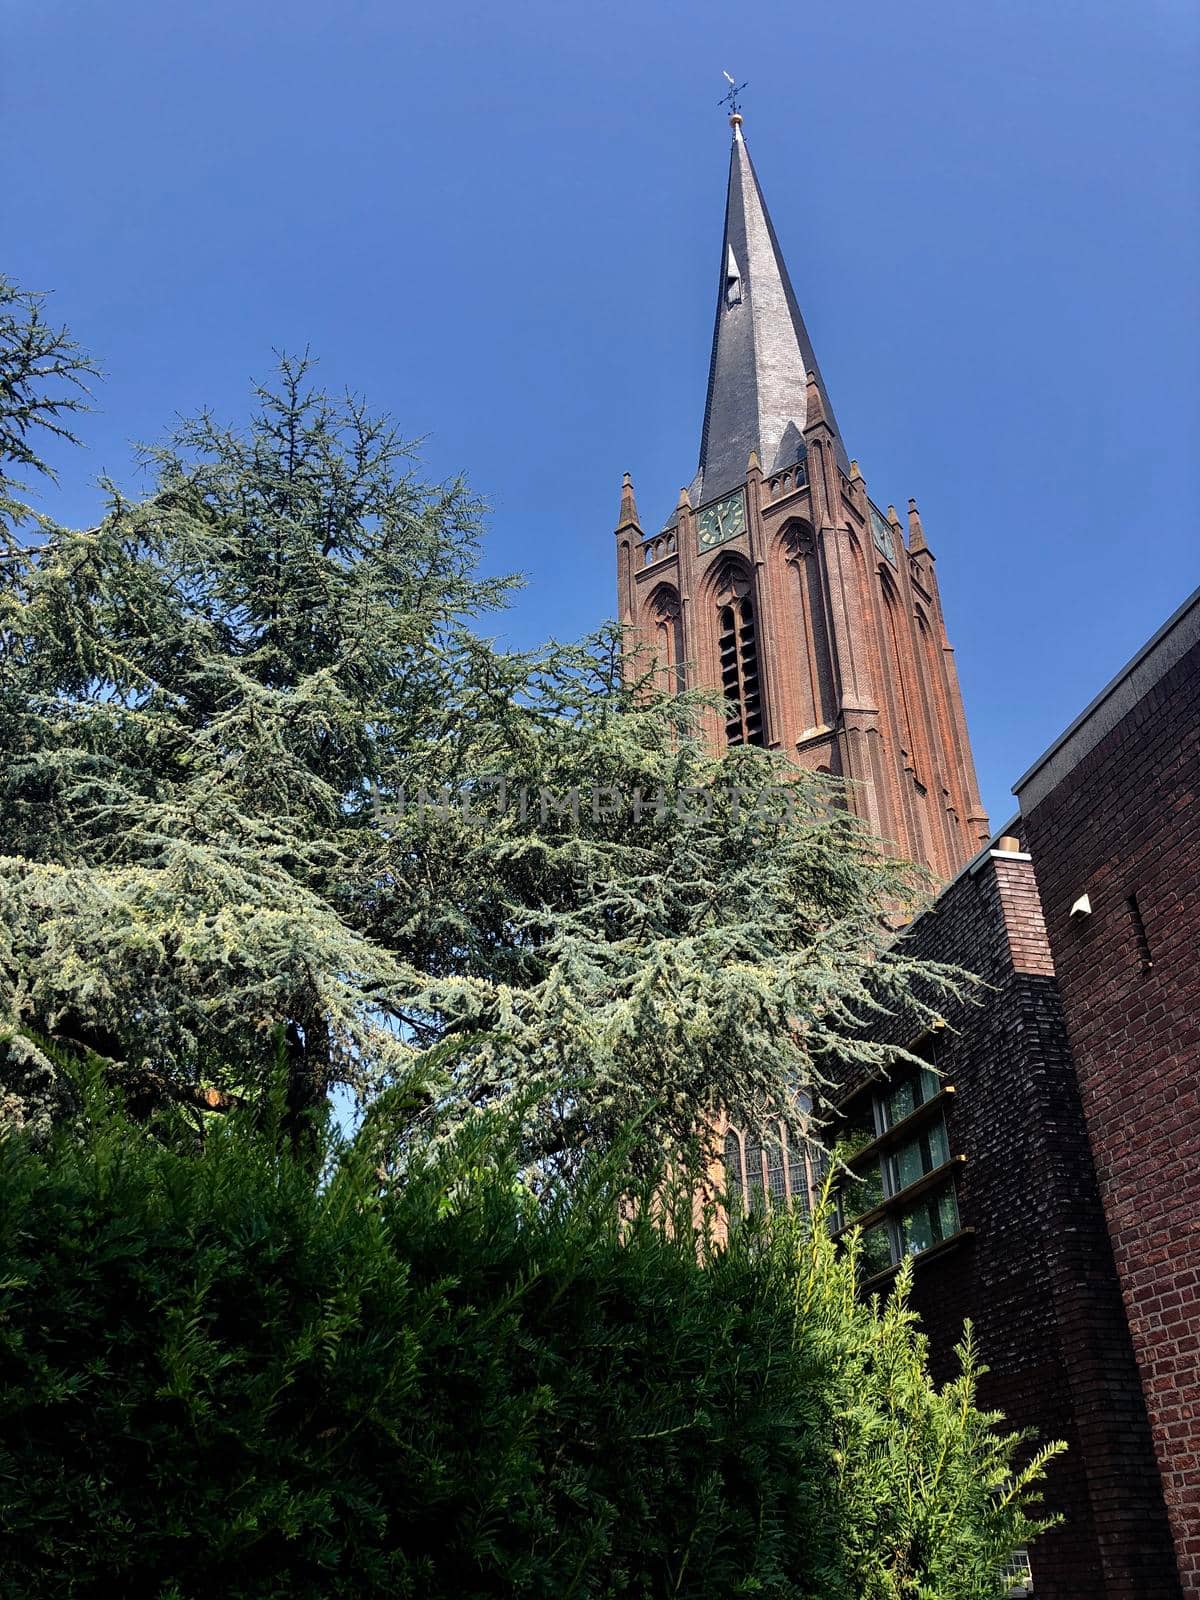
629,539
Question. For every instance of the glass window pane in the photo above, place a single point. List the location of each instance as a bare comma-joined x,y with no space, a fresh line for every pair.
928,1084
934,1218
756,1197
733,1170
916,1228
876,1249
857,1132
939,1144
819,1163
899,1103
919,1155
864,1191
907,1165
776,1172
947,1209
917,1231
798,1181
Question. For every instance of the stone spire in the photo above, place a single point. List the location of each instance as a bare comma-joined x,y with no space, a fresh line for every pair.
628,516
916,533
761,354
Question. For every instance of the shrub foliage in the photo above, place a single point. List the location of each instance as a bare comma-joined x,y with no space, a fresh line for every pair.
222,1376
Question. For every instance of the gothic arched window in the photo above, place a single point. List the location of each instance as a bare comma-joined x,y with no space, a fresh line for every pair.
738,645
777,1169
891,612
670,633
811,669
769,1169
735,1191
756,1189
665,620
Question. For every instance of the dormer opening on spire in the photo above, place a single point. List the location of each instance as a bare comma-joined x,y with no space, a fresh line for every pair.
733,279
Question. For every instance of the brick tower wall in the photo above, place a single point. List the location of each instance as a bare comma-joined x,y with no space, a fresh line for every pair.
857,673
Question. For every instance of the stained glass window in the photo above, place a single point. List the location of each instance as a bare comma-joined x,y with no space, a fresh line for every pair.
756,1194
734,1189
777,1185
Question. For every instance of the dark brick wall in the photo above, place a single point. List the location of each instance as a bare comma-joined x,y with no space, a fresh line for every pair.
1035,1273
1124,821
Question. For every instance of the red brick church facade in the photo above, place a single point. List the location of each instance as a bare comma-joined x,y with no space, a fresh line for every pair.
1046,1174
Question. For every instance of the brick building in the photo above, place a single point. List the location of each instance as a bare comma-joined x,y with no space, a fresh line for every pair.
1023,1251
1112,817
1043,1169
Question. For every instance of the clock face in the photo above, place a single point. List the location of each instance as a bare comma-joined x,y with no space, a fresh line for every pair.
881,532
722,520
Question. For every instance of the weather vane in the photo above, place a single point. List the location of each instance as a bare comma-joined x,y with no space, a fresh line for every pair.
731,99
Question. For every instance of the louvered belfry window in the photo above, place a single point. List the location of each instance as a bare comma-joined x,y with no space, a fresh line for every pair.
738,645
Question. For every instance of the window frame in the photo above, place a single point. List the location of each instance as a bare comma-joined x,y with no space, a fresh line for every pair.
897,1203
801,1169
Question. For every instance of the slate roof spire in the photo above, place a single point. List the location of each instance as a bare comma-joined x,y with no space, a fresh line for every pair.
761,353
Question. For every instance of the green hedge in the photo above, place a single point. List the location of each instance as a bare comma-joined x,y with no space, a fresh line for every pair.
221,1377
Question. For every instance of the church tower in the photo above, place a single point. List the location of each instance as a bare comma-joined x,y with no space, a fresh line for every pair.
779,582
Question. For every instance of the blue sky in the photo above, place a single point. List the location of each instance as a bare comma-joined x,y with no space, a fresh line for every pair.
501,222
